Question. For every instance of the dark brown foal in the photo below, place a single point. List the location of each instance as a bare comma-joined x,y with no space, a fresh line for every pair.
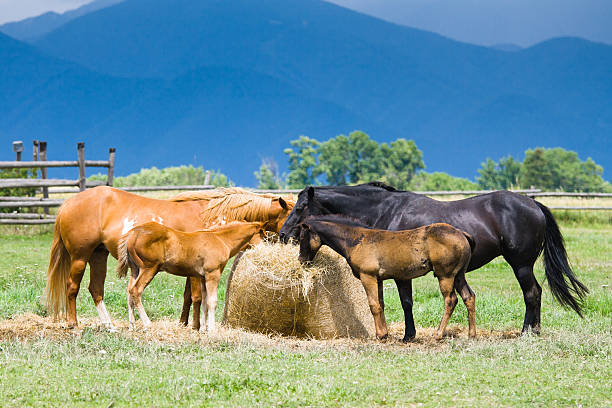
375,255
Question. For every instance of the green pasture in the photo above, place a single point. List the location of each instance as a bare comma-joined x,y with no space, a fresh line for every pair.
569,364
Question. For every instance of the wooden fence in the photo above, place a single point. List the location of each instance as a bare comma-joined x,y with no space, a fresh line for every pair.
39,161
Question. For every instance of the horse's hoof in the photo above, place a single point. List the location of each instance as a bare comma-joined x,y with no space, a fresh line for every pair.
408,339
531,330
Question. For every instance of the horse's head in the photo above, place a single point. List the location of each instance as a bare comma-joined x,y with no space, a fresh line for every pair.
280,209
310,243
307,204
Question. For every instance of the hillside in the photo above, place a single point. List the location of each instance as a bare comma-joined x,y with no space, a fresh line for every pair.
31,28
254,75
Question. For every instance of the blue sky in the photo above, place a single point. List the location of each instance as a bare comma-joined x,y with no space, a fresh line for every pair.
13,10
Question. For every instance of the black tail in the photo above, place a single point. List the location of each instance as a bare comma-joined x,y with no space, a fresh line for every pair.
557,267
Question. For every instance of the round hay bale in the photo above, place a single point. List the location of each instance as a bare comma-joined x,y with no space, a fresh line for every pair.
271,292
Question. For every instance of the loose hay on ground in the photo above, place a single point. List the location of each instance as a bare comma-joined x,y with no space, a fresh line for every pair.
271,292
31,327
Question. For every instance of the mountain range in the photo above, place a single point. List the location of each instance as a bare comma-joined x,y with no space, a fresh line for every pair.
224,83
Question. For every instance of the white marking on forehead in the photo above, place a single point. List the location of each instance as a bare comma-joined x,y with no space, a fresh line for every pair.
127,225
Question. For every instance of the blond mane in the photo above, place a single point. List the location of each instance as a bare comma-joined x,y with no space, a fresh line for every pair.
230,204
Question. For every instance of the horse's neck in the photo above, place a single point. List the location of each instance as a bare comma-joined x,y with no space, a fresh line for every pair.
235,240
334,237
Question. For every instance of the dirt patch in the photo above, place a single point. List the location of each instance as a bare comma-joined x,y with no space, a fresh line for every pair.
30,327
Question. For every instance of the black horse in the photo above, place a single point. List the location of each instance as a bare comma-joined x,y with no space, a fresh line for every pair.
502,223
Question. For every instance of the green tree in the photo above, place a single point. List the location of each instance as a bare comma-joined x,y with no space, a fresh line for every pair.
560,169
365,158
334,160
502,175
268,176
169,176
439,181
302,162
401,160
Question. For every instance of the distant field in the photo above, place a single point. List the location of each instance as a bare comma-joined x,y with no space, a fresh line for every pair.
568,365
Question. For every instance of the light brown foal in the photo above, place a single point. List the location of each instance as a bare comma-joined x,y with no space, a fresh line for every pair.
151,247
375,255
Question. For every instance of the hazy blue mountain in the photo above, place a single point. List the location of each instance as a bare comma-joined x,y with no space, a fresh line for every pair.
524,22
217,117
238,79
34,27
509,47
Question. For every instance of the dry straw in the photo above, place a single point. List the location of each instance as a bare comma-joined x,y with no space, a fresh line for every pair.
271,292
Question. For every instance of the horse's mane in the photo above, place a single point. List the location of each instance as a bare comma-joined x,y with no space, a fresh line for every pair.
216,193
229,204
381,185
340,219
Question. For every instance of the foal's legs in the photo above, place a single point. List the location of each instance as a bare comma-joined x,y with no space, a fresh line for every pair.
469,299
130,299
97,276
212,282
450,301
404,288
370,284
186,302
196,298
135,291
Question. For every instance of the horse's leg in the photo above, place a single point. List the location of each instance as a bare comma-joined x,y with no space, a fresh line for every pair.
144,278
450,301
186,303
196,298
212,282
404,288
469,299
370,284
532,294
97,276
77,269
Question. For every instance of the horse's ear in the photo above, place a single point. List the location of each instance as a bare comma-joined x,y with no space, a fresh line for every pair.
311,192
283,203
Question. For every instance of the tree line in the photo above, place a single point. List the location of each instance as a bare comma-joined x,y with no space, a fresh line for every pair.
356,158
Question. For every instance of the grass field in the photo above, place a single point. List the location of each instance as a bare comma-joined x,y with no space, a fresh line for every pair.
569,364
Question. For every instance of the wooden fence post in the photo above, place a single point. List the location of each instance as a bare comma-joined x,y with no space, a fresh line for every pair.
82,179
35,155
43,171
18,148
111,166
207,178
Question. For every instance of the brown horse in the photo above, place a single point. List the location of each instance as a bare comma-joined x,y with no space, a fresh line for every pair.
151,247
89,225
375,255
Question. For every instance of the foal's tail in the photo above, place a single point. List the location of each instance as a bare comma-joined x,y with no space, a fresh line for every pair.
557,267
123,256
470,239
57,274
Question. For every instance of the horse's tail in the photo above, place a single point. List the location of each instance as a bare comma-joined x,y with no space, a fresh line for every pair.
557,267
123,256
57,274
